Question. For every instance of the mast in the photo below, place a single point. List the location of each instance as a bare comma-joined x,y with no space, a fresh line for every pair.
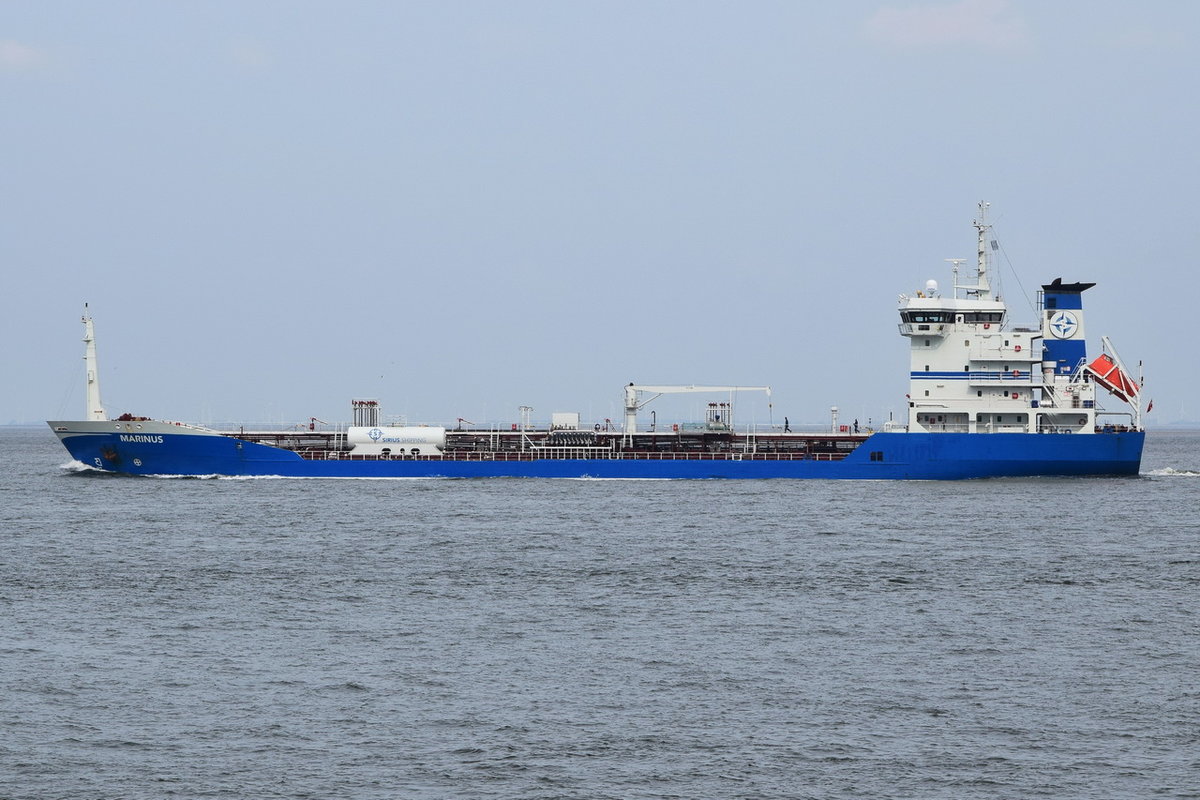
95,411
983,287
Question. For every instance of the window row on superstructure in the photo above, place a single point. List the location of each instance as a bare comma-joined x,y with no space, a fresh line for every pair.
944,317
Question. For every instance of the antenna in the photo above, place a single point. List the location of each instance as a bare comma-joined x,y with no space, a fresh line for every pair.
956,263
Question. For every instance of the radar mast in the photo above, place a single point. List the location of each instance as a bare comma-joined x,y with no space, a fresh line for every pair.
983,289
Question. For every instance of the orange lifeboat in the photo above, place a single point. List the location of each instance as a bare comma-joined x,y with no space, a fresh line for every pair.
1110,376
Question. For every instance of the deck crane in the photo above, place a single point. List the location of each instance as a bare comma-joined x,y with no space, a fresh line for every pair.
633,402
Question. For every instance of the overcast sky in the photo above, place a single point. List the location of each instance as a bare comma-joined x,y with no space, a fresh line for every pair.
464,207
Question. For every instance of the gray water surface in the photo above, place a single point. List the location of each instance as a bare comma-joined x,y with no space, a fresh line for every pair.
515,638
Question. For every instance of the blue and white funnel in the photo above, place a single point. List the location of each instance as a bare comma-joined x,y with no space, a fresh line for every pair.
1062,325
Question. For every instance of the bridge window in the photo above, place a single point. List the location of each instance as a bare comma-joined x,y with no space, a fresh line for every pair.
925,316
877,455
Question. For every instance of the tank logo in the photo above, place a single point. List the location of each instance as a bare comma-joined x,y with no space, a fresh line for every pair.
142,438
375,434
1063,325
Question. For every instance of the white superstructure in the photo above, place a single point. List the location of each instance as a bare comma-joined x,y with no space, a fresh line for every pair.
973,372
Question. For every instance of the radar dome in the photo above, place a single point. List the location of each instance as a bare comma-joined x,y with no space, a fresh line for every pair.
931,286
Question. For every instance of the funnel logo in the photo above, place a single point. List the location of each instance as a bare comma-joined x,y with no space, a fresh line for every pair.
1063,325
375,434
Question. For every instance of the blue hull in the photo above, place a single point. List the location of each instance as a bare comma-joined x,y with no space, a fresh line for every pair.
883,456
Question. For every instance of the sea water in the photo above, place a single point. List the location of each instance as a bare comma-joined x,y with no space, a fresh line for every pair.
518,638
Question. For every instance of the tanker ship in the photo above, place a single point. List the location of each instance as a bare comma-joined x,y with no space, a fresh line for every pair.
987,398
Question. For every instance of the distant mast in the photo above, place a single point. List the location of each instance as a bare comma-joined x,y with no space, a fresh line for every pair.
95,411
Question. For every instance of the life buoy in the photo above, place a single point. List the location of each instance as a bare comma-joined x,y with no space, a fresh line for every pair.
1016,373
987,325
1015,395
1017,348
597,427
1083,420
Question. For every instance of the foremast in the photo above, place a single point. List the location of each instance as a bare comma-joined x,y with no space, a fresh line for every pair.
95,410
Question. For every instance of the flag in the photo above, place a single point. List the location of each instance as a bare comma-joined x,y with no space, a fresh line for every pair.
1150,407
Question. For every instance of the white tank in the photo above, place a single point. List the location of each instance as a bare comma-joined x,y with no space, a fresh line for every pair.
426,440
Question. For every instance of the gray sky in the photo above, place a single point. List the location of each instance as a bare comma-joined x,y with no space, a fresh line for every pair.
460,208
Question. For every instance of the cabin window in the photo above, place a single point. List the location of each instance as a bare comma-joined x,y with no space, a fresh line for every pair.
877,455
927,393
927,343
986,316
1006,367
1006,342
927,368
966,368
979,393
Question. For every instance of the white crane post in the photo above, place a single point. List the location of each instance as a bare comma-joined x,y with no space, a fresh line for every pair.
631,409
95,411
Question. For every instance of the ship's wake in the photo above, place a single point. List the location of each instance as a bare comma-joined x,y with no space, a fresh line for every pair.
1171,472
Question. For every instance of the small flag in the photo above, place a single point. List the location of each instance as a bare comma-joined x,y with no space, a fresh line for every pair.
1150,407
